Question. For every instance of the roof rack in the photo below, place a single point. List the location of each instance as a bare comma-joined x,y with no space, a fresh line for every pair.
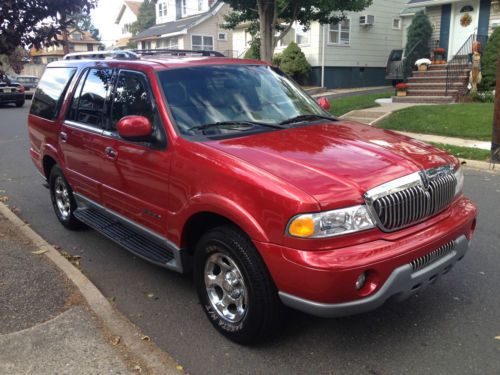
177,52
98,55
137,53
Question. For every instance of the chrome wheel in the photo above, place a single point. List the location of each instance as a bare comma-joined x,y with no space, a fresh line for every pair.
61,196
225,287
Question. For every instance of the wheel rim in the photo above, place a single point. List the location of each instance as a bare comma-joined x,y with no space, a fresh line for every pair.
61,196
225,287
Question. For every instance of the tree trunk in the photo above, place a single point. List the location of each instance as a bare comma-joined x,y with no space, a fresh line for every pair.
495,141
65,42
267,12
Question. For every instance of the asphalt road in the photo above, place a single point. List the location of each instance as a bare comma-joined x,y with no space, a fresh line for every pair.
450,328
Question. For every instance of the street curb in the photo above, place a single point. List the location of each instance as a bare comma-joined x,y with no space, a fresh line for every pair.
157,361
482,165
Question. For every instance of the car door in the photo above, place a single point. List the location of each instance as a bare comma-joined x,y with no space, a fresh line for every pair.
135,182
81,139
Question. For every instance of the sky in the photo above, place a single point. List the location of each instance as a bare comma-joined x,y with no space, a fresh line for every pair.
104,17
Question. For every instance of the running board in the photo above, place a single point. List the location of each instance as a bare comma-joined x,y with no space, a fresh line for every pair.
140,244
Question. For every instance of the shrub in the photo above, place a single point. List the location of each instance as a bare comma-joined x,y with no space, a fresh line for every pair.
483,97
489,61
294,63
277,59
254,51
420,30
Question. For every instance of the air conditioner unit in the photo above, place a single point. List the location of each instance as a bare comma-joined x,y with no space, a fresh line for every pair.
367,20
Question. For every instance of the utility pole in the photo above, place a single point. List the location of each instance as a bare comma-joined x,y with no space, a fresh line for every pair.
495,141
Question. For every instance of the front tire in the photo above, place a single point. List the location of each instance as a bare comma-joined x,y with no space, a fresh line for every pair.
62,198
234,286
19,104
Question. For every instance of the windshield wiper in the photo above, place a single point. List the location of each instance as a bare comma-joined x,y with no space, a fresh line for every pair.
309,117
234,123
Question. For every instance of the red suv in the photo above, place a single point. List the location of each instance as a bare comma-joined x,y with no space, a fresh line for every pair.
225,168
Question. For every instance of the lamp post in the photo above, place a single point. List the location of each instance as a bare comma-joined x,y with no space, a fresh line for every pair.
495,140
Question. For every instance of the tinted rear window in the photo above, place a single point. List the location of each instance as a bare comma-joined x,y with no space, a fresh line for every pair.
49,94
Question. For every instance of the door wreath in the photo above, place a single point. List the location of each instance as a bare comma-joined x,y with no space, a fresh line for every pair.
465,20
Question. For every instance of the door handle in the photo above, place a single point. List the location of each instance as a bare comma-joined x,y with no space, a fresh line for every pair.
63,136
110,151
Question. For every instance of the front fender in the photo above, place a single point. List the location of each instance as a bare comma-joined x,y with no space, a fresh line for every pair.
223,206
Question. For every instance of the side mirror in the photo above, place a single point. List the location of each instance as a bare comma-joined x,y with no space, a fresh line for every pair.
135,128
324,103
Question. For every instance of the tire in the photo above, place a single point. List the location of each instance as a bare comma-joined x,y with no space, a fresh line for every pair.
252,306
62,198
19,104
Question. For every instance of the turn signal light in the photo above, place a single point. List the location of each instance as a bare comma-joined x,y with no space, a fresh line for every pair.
302,226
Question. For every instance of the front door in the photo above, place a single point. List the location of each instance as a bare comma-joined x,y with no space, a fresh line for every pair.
464,22
136,176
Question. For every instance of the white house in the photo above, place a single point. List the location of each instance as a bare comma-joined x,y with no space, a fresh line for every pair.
188,24
353,52
127,15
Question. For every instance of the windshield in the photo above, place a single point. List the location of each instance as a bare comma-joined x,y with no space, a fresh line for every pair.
222,94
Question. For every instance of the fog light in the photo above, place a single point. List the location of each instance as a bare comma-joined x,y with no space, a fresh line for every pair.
360,282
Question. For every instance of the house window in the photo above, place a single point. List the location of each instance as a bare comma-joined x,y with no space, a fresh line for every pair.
162,9
202,42
222,36
200,5
169,43
76,36
184,7
146,45
340,33
301,36
396,23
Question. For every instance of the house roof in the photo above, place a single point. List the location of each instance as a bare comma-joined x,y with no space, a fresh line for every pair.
133,5
179,26
420,3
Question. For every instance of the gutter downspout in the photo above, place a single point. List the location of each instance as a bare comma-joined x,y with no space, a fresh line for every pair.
323,56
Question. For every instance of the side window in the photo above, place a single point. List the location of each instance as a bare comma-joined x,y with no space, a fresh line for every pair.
131,98
89,105
73,109
49,95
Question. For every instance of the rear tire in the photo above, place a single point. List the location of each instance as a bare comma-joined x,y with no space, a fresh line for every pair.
234,286
62,198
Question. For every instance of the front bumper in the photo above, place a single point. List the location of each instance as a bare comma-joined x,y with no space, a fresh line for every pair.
402,283
326,278
14,97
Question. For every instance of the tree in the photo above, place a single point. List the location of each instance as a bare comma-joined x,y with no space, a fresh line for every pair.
489,61
276,17
419,36
294,63
83,22
254,51
36,23
146,17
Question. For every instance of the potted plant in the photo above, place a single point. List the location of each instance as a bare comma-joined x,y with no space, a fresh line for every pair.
439,54
422,64
401,89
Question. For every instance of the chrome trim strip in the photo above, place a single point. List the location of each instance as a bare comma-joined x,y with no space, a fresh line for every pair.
176,264
80,126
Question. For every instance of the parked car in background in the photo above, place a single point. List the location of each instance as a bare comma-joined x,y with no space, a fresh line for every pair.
30,83
11,92
393,70
228,170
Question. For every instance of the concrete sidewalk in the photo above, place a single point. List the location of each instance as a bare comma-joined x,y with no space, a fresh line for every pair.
50,325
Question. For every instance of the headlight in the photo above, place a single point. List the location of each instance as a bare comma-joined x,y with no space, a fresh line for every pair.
330,223
459,175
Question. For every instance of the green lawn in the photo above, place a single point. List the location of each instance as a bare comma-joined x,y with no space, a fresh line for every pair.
343,105
465,152
464,120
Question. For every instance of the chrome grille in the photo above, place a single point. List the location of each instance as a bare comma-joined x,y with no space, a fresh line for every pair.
422,262
414,198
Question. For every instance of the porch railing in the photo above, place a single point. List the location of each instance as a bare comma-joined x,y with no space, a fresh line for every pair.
460,63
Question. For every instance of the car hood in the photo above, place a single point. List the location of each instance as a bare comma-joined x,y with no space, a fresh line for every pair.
336,163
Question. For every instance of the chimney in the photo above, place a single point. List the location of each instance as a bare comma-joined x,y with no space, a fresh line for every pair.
210,3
